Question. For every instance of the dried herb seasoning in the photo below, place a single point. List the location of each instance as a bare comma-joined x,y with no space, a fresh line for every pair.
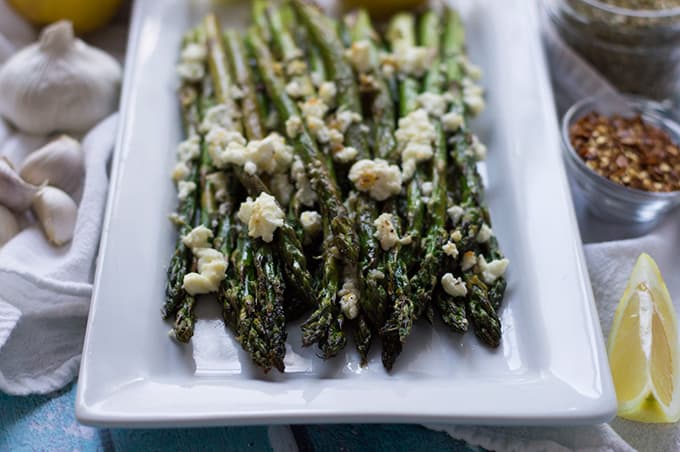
634,43
628,151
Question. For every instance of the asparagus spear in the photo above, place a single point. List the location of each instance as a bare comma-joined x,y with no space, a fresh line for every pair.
305,147
481,311
181,259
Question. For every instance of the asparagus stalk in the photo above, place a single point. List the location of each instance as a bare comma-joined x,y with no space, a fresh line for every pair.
305,147
481,311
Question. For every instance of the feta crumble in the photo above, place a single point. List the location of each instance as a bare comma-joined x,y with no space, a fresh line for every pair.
376,274
194,52
345,155
222,115
327,92
344,118
189,149
380,179
453,286
434,104
478,148
452,121
293,126
311,222
456,236
426,188
415,136
349,299
414,60
281,188
191,71
184,189
385,232
263,216
450,249
485,233
314,107
493,270
212,265
455,213
359,54
469,260
180,171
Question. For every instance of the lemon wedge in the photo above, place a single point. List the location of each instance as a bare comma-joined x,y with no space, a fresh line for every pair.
643,348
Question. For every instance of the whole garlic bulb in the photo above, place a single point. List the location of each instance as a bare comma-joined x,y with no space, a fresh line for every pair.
58,83
15,193
57,214
9,227
60,163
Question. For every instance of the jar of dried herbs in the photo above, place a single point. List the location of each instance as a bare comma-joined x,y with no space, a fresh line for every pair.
634,43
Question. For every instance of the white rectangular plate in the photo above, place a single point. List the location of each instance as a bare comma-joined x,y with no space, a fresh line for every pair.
549,369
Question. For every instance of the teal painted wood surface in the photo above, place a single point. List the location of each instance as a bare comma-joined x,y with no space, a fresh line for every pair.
47,423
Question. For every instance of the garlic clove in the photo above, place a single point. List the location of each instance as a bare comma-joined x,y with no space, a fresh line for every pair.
60,163
9,227
57,214
15,193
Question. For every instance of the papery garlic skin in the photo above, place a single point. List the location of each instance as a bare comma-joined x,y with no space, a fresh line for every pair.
60,163
15,193
57,214
59,83
9,227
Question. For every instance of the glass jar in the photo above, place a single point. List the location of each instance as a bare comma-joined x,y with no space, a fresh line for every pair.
637,50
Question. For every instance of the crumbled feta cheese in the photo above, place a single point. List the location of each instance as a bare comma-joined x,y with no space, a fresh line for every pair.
180,171
485,233
469,260
189,149
426,188
453,286
212,267
349,299
314,107
434,104
263,216
406,240
236,92
344,118
327,92
293,126
222,115
198,237
226,147
450,249
296,67
294,89
281,188
376,274
455,213
345,155
271,154
191,71
456,236
377,177
176,219
385,232
193,52
336,139
478,149
359,54
475,104
250,168
414,60
319,129
415,136
317,79
452,121
311,222
184,189
493,270
211,263
305,193
473,71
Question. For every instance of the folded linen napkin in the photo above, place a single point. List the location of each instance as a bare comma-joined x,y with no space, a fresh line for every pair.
45,291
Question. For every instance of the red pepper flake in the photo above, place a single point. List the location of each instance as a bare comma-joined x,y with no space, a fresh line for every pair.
628,151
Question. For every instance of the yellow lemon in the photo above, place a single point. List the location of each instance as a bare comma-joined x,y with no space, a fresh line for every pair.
86,15
643,348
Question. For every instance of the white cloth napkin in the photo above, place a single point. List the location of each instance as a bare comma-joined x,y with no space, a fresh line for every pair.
45,291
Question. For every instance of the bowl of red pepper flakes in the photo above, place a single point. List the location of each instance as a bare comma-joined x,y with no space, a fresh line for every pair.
624,157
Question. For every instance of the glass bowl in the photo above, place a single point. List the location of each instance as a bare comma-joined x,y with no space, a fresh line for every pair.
605,199
637,50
